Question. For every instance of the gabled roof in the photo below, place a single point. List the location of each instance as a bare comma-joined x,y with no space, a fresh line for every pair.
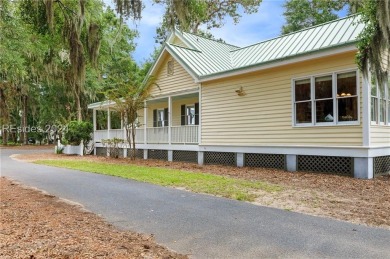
205,58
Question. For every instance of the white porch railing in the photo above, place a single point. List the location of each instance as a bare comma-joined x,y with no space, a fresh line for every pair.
185,134
158,135
139,136
117,133
98,135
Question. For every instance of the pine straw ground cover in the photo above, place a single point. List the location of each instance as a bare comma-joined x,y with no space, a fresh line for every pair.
38,225
340,197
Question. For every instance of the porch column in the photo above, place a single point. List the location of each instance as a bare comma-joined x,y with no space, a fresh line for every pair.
108,122
108,127
94,119
169,120
94,129
145,124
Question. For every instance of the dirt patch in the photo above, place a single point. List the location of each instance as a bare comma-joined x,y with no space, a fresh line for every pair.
340,197
35,224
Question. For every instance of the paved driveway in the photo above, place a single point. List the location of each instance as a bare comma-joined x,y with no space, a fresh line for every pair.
201,225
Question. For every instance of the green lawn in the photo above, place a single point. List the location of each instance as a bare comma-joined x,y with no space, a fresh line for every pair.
228,187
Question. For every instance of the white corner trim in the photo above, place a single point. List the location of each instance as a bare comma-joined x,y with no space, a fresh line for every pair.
101,105
366,96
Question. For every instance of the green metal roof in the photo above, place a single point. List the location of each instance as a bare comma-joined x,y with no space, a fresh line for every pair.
206,57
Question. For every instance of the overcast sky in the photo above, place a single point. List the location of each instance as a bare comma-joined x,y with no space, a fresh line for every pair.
253,28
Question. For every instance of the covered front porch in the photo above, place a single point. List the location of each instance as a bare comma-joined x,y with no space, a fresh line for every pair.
170,120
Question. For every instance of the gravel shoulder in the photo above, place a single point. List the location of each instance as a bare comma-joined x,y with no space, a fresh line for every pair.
38,225
359,201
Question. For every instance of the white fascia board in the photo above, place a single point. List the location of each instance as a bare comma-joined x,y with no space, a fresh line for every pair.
348,151
168,147
103,104
155,64
318,54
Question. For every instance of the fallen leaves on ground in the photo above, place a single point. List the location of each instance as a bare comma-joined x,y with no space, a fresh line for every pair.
39,225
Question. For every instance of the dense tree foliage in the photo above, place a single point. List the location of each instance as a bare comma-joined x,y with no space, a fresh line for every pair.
374,44
301,14
53,55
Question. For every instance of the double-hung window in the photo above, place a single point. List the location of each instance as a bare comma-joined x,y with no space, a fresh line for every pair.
160,117
190,113
380,103
326,100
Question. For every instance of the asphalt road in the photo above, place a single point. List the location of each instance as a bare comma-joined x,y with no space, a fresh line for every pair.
202,226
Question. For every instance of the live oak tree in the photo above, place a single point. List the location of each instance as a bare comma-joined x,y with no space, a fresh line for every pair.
189,15
374,42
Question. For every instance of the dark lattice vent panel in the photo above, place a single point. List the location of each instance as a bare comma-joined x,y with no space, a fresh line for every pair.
326,164
185,156
265,160
101,151
381,165
158,154
139,153
220,158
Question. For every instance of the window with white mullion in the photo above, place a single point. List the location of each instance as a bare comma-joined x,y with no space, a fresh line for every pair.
327,99
374,101
323,96
347,97
303,101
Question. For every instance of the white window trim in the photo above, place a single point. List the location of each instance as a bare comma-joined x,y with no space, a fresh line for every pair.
334,97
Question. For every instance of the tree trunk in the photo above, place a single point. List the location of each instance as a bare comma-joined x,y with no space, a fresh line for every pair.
23,134
78,106
133,137
5,136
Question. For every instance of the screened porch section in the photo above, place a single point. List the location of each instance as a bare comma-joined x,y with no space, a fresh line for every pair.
169,120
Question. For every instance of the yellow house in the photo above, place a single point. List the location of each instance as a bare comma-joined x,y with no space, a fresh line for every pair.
296,102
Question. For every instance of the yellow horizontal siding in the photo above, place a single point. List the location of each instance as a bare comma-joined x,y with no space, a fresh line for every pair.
264,115
380,135
179,81
178,42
